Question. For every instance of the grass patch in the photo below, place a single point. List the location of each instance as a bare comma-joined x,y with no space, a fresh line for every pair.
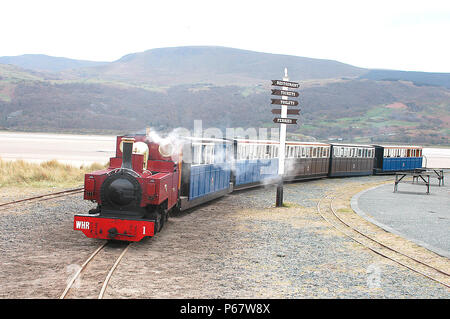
46,174
290,205
345,210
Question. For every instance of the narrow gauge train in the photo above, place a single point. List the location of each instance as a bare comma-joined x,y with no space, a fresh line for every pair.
145,181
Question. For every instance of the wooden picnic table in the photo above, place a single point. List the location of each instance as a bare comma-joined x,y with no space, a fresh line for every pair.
438,171
416,174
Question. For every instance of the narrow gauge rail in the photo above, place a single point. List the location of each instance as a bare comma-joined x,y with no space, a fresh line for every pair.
83,268
46,196
379,248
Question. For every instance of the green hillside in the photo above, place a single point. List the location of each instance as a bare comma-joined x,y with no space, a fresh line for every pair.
172,87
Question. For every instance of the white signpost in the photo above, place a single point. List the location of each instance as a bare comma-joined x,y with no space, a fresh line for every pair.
284,120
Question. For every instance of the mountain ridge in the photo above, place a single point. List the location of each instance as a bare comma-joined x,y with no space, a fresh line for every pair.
47,63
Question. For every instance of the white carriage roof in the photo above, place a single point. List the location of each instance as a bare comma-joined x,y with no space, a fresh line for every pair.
277,142
398,146
307,143
213,140
352,145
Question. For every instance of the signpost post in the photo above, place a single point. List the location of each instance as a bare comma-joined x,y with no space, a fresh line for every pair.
283,121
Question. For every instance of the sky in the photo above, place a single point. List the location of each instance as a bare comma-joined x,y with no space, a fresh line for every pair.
395,34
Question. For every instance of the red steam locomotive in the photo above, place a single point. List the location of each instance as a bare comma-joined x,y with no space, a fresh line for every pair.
134,194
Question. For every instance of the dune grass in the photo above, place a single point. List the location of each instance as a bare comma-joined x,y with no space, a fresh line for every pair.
47,174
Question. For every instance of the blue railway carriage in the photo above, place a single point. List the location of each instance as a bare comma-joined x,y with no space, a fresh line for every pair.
306,160
351,159
255,162
206,170
393,158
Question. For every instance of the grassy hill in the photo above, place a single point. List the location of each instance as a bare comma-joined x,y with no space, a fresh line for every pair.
214,65
172,87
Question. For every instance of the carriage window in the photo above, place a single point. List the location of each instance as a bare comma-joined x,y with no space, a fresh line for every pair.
241,152
197,158
360,152
207,154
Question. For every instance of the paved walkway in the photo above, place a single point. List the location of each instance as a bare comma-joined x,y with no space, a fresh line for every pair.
410,212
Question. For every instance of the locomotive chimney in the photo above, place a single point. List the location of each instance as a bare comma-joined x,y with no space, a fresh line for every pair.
127,150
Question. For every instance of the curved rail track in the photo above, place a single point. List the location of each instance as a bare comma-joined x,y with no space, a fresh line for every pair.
86,263
330,215
46,196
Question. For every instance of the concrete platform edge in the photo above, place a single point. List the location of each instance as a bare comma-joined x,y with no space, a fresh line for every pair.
360,212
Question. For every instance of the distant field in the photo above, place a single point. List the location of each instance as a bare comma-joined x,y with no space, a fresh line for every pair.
70,149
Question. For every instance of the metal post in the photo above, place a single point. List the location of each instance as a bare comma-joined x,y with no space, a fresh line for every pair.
282,148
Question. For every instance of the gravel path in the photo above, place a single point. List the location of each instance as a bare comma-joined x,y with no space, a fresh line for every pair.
238,246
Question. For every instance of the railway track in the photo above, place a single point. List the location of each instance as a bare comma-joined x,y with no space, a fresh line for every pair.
45,197
328,213
93,281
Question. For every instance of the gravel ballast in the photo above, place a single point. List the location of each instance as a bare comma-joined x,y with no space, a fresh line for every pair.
238,246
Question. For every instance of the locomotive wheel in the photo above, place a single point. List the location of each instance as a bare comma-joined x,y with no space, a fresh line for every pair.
164,217
160,216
